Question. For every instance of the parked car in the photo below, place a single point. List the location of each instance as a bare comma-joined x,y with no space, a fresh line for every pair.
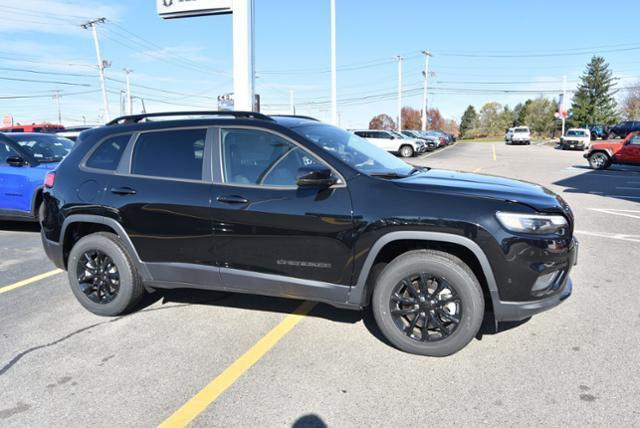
598,130
292,207
424,145
623,129
391,142
603,155
34,127
520,135
508,134
432,133
435,141
576,138
25,159
72,132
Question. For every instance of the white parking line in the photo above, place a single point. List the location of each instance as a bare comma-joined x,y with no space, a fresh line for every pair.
624,213
617,236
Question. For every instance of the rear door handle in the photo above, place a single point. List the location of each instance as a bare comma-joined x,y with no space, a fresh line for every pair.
123,191
232,199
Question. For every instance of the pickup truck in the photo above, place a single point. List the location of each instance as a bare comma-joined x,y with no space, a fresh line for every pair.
603,155
520,135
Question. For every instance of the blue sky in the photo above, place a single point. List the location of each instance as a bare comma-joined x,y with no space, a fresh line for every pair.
480,49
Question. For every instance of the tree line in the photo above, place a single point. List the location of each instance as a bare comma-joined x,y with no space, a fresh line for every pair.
593,102
412,119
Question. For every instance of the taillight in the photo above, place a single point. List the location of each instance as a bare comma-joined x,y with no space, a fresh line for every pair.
49,179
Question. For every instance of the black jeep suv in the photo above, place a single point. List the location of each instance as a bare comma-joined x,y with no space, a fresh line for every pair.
291,207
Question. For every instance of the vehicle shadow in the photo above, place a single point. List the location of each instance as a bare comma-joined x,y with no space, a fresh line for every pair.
19,226
286,306
620,182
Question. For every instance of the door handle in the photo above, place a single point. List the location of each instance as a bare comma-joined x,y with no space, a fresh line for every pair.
232,199
123,191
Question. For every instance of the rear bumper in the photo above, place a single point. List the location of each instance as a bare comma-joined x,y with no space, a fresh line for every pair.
53,250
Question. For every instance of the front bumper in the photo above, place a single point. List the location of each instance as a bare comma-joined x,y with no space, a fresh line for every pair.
517,311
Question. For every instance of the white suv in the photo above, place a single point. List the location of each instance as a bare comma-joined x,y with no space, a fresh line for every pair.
520,135
393,142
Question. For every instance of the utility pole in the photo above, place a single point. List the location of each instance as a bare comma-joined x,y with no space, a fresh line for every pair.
334,89
56,97
101,64
291,103
127,72
399,58
426,54
564,100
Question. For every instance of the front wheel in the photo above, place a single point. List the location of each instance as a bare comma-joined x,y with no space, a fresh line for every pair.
599,160
406,151
428,303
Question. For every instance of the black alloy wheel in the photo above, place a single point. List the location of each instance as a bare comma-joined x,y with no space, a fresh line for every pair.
98,276
426,308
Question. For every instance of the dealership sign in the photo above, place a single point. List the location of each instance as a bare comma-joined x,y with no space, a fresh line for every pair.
185,8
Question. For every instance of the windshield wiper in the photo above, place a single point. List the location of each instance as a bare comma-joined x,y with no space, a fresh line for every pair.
387,175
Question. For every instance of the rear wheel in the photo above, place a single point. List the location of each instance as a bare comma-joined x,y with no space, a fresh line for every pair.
102,276
599,160
406,151
428,302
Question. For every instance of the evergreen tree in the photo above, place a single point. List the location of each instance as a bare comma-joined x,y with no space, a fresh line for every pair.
594,100
469,120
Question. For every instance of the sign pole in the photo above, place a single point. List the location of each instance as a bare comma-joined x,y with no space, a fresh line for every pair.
243,55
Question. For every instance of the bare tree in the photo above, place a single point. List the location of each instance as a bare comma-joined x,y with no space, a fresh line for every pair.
631,103
382,121
411,118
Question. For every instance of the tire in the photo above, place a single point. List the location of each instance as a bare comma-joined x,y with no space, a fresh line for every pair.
438,265
599,160
528,143
406,151
129,286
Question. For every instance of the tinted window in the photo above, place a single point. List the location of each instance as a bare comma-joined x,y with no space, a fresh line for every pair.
108,154
261,158
5,152
635,140
174,154
362,134
43,147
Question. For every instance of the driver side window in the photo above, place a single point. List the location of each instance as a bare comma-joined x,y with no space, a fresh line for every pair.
253,157
635,140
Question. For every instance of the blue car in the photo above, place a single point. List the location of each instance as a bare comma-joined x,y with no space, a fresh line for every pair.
25,159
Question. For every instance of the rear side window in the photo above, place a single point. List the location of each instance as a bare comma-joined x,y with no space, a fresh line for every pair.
171,154
107,155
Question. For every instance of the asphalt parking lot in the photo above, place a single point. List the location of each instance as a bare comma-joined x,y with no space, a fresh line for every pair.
237,360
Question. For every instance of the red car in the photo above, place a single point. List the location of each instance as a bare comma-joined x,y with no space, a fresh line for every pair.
627,151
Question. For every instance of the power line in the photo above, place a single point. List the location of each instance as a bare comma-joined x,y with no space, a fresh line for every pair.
56,82
62,94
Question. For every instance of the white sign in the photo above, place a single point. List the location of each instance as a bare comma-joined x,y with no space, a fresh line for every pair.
185,8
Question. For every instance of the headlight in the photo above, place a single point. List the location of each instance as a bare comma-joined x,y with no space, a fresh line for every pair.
532,223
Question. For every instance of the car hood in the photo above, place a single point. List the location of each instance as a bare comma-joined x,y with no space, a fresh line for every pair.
613,145
485,186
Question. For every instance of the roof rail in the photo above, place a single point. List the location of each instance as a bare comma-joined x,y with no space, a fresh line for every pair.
135,118
296,116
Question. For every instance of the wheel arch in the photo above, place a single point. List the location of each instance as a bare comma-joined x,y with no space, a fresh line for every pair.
76,226
477,260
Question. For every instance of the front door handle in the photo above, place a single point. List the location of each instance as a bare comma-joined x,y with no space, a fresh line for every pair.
123,191
232,199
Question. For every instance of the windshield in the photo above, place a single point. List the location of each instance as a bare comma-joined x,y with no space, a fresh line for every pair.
354,151
43,147
399,135
576,134
521,130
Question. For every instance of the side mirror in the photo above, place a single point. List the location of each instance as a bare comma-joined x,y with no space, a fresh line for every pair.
16,161
315,177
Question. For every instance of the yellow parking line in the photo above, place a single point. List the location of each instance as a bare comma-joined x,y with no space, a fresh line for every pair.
196,405
29,280
493,148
